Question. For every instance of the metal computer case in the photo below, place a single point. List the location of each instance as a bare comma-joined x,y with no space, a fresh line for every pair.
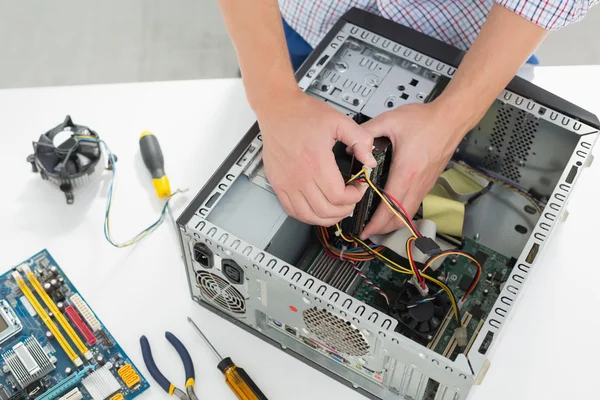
249,278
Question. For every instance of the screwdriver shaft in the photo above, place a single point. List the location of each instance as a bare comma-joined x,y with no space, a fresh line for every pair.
205,339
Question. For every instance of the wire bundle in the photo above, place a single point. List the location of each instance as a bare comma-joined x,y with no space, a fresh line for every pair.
107,233
354,249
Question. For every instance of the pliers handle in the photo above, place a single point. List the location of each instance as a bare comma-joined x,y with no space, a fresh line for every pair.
162,381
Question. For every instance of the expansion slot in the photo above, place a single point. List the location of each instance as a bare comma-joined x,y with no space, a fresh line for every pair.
453,342
81,326
66,384
433,344
57,314
474,336
44,316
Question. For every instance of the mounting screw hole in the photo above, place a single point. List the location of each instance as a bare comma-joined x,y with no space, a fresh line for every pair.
529,210
521,229
401,88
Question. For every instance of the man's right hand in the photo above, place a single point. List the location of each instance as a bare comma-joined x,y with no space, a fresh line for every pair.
299,133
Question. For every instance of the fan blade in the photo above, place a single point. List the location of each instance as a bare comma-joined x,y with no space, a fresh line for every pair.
49,161
434,322
82,161
423,327
71,167
45,140
89,148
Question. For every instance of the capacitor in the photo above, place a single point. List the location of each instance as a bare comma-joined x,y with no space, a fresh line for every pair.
54,270
453,260
60,305
61,280
54,283
47,287
100,359
68,371
49,335
50,314
489,277
486,292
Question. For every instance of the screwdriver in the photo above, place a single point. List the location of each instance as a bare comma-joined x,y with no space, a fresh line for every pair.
236,378
155,162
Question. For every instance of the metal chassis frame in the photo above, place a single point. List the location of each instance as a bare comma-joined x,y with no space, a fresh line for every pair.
263,270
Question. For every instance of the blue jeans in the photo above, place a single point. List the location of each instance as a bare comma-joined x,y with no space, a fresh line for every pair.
299,49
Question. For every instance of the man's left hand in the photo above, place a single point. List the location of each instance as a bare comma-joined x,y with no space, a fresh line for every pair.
424,137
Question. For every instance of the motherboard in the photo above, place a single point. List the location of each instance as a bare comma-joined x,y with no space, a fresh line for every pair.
52,345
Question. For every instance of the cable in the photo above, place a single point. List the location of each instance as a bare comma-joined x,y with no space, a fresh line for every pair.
536,203
107,233
413,266
475,281
398,268
370,283
339,232
385,200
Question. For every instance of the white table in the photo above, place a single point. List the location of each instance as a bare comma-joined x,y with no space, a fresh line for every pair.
548,352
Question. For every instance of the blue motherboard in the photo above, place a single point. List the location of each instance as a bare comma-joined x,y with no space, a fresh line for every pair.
52,345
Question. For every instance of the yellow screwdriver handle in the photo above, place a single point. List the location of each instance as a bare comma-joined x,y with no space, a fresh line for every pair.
239,381
155,162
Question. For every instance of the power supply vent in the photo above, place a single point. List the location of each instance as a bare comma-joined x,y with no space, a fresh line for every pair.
220,292
335,332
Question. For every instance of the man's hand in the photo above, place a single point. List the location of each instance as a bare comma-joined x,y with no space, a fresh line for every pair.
299,133
423,139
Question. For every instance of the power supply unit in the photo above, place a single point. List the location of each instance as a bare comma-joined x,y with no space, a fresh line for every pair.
358,320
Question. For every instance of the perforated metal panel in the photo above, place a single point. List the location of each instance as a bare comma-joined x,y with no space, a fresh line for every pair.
220,292
511,140
335,332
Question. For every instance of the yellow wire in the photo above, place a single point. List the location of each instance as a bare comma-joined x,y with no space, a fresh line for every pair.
398,268
364,171
458,253
339,230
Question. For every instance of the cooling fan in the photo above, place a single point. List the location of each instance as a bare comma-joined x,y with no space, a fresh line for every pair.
420,317
67,161
221,293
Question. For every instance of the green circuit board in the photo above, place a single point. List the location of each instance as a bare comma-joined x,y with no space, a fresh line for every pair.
457,273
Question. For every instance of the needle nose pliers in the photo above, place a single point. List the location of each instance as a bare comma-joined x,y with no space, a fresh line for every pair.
161,379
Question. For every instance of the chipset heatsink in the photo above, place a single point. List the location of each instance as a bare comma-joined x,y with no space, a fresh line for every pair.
101,383
28,361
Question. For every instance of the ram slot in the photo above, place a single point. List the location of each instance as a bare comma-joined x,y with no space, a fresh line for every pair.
44,316
57,314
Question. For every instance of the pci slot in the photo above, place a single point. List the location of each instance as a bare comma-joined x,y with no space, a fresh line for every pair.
57,314
81,326
44,316
66,384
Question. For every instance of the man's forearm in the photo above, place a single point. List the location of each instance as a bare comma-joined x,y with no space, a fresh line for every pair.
504,44
256,30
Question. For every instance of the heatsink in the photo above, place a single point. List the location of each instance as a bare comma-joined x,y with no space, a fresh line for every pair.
101,383
28,362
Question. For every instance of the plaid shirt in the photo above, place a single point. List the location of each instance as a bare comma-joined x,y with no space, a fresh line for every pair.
455,22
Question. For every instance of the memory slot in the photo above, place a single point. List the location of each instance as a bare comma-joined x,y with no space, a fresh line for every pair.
44,316
57,314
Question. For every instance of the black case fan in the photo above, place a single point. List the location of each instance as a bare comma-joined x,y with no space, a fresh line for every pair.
65,161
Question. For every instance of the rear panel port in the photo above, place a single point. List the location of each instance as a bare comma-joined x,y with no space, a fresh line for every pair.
310,343
290,330
232,271
203,255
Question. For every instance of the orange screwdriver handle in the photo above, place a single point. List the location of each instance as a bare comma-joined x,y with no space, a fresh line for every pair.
240,382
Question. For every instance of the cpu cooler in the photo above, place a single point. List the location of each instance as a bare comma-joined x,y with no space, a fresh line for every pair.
69,156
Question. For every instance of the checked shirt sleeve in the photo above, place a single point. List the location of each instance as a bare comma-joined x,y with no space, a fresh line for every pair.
550,14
